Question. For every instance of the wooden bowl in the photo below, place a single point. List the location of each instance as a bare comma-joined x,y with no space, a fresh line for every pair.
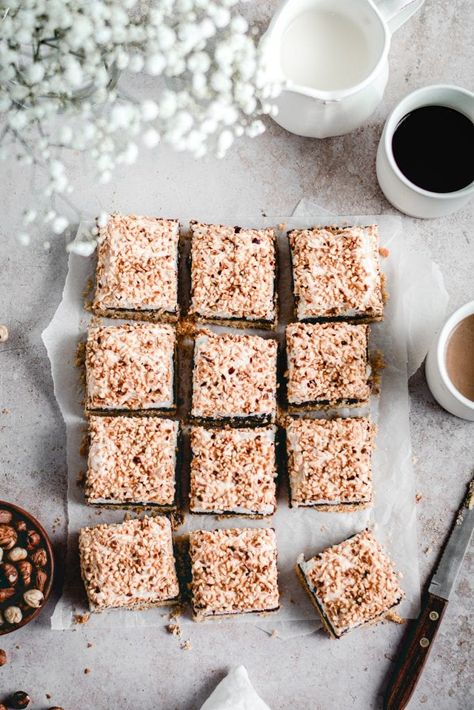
34,524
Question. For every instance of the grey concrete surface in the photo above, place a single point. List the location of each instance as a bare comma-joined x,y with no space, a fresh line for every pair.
147,669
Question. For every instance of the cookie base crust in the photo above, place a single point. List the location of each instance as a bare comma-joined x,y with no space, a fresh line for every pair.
352,507
200,617
323,404
251,421
151,315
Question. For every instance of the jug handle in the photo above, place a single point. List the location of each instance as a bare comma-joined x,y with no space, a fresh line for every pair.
397,12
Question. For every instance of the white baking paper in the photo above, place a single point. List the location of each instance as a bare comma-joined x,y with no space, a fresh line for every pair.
409,320
235,692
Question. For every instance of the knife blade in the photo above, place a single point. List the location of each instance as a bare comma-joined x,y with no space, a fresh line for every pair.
415,651
444,579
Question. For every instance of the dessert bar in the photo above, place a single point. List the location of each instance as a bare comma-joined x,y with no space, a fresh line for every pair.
137,268
130,367
330,463
233,471
132,462
336,273
327,365
233,572
129,565
234,378
351,584
233,275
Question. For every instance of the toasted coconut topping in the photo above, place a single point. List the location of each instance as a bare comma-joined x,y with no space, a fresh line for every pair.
353,582
234,571
233,272
130,366
234,375
137,266
129,564
132,460
336,272
327,361
329,460
233,470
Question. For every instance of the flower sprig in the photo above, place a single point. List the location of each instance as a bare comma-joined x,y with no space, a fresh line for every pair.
60,62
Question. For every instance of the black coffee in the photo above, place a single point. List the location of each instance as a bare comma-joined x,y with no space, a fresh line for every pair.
434,148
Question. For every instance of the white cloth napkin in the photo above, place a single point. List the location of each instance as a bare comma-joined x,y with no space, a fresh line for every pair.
235,692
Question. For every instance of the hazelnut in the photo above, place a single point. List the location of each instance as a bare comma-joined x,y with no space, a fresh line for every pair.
19,700
13,615
40,557
25,568
3,707
5,516
3,657
8,575
3,333
17,554
34,598
20,526
32,539
40,579
6,594
1,554
8,536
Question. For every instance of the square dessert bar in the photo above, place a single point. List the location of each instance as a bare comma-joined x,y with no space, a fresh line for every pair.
330,463
130,565
233,572
233,275
328,365
130,367
233,471
336,273
351,584
137,268
132,462
234,378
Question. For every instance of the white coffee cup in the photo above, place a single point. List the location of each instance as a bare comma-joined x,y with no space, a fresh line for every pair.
403,194
437,375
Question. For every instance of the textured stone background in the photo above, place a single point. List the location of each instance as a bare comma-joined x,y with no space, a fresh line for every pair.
147,669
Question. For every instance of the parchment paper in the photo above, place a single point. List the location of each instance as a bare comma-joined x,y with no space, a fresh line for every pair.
414,312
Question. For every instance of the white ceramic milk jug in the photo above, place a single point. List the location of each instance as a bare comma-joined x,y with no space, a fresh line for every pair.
332,56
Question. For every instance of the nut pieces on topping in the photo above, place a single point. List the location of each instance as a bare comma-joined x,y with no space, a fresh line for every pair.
34,598
3,657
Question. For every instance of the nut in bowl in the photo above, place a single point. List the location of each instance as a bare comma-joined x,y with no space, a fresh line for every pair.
26,567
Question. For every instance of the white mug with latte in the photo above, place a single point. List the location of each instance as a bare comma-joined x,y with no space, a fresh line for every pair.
450,364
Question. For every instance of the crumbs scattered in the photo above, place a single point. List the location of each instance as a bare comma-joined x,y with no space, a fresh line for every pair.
470,496
186,645
396,618
89,645
274,634
81,618
418,497
384,252
87,671
428,550
174,629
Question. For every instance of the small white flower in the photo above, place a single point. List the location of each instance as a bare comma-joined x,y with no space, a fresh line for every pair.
102,219
155,64
149,110
59,225
151,138
81,248
24,238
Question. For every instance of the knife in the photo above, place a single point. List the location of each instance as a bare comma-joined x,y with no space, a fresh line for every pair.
415,652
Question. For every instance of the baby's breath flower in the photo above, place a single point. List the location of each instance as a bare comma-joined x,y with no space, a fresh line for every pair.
59,66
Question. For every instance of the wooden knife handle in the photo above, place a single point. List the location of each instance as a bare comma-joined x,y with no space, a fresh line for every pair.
414,655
